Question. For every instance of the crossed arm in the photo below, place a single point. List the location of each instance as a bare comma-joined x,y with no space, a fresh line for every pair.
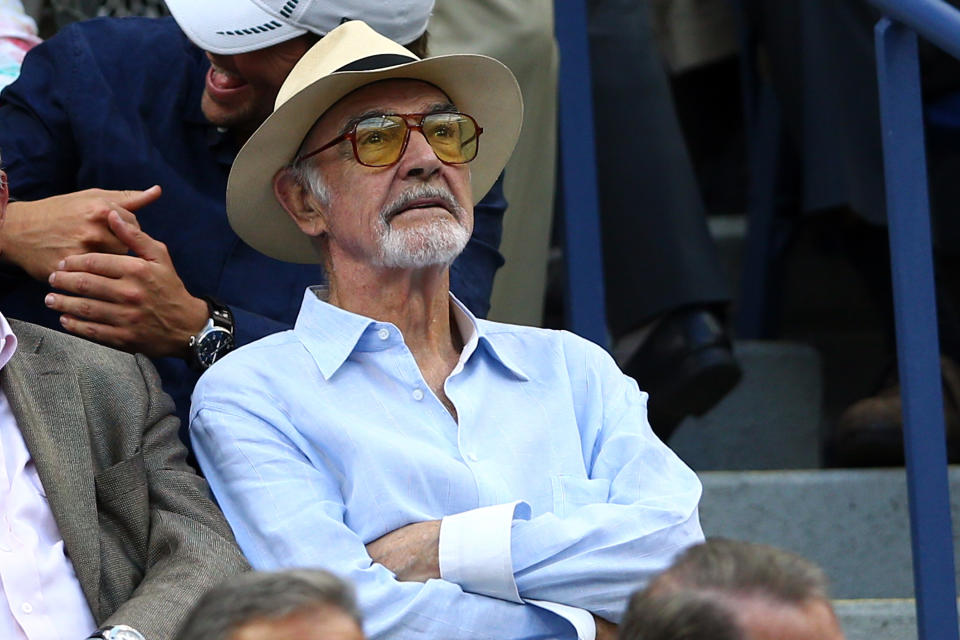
411,553
286,512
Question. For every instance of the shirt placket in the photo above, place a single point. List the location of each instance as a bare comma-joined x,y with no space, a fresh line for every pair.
19,563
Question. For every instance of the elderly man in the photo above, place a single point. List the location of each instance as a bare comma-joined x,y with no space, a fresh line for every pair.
123,104
298,604
732,590
471,479
105,525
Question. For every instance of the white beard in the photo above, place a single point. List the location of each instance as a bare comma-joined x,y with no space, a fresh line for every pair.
438,242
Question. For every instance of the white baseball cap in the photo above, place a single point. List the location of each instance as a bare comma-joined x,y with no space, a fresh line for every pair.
238,26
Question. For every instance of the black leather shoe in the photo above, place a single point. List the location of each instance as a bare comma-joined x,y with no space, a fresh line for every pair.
686,364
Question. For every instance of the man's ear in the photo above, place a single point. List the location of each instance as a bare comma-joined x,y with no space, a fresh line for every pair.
298,202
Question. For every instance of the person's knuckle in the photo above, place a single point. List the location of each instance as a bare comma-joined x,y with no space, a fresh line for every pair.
96,209
132,296
133,317
89,236
139,269
82,284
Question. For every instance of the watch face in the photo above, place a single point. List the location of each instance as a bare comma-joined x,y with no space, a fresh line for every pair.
119,632
213,345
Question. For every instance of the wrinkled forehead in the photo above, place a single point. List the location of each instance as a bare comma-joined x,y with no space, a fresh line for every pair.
385,96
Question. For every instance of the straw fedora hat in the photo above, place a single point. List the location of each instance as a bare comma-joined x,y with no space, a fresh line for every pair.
347,58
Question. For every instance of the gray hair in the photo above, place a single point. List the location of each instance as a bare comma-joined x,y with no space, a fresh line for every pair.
258,595
308,177
695,599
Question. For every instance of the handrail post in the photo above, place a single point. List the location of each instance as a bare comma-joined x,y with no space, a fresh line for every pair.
911,256
585,311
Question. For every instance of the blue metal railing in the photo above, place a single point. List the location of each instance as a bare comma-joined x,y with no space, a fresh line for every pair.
911,263
758,298
911,258
585,312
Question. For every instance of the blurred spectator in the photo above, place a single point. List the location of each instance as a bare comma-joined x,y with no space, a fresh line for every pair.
692,33
59,13
299,604
730,590
104,523
18,34
518,33
666,290
819,57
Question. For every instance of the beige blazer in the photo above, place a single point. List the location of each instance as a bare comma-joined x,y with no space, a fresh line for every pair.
139,525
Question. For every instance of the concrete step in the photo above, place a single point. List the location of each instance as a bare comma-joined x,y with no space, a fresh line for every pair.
894,619
853,523
771,420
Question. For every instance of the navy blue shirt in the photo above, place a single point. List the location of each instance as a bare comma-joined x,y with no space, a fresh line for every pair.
114,103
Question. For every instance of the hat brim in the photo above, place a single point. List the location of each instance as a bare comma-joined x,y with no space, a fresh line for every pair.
227,27
478,85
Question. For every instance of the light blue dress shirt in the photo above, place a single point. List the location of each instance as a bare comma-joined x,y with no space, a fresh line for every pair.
552,487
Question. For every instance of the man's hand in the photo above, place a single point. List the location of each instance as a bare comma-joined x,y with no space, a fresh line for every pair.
606,630
36,236
137,303
412,552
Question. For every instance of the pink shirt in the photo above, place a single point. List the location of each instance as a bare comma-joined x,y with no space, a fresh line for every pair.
18,34
42,597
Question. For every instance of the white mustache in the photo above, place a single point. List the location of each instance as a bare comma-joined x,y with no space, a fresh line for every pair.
423,191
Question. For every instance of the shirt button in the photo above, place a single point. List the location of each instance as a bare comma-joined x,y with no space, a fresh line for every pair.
383,333
472,457
26,607
417,395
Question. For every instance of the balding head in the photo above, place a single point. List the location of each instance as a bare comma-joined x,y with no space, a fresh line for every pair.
730,590
298,604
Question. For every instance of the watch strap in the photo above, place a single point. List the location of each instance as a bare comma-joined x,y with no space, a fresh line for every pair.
220,313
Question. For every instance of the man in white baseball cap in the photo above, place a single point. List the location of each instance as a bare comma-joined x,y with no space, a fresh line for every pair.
109,112
472,479
240,89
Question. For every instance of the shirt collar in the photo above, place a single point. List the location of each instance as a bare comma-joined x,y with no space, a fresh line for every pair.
8,342
474,333
331,334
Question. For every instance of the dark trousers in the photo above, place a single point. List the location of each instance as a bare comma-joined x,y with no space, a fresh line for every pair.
658,253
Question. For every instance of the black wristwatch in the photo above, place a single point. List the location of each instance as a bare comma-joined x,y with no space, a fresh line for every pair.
116,632
215,340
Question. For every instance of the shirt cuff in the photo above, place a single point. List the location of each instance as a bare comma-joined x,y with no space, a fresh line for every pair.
475,550
581,619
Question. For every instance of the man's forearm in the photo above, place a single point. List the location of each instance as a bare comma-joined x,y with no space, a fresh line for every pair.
410,552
